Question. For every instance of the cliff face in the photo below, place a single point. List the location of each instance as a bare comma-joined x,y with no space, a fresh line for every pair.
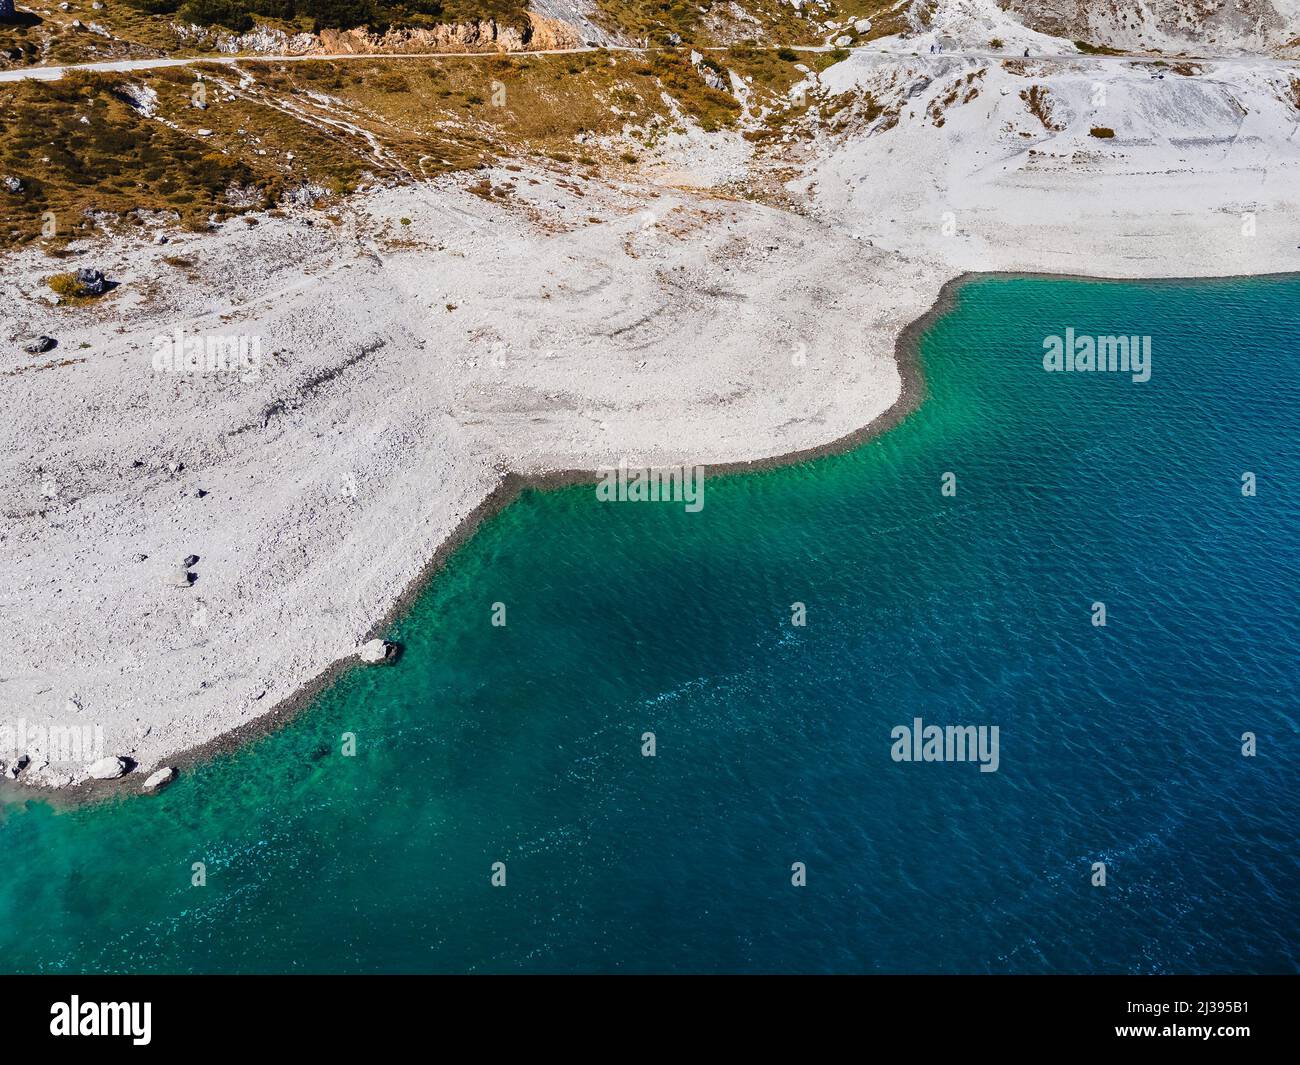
479,35
1205,26
474,35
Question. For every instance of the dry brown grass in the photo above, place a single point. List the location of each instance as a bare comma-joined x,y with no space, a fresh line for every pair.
289,124
78,146
64,286
1038,99
708,22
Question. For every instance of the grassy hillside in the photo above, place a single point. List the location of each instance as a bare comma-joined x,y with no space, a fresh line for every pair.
240,15
123,143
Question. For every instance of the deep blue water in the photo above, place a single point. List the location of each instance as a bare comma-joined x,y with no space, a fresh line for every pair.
522,743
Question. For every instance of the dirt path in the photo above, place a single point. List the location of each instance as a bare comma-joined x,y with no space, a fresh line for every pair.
123,65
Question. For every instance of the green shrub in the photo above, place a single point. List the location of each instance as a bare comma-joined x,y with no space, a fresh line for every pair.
155,7
233,14
337,14
281,9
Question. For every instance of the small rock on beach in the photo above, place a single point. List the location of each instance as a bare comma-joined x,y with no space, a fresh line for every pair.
159,779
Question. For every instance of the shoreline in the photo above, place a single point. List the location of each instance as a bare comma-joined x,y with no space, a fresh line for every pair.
668,350
508,489
911,396
431,341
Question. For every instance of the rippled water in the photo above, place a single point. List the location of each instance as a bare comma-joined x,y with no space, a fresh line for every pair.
522,744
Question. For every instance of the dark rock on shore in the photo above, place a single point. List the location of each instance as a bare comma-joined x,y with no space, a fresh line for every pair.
91,282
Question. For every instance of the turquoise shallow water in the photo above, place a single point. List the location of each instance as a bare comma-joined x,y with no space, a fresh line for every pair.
522,744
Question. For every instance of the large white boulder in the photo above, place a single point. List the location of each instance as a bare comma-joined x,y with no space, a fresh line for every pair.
375,651
106,768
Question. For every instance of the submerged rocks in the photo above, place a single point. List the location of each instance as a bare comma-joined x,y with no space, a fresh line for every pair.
375,651
12,184
39,345
109,768
160,779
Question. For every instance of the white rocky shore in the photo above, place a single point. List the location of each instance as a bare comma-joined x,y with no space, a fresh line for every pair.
428,340
183,551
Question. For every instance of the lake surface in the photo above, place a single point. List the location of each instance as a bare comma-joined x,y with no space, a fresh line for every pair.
522,744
